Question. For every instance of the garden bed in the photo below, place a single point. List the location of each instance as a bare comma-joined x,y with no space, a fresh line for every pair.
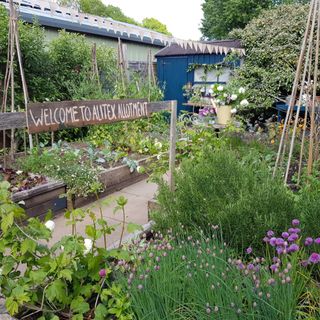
39,199
115,179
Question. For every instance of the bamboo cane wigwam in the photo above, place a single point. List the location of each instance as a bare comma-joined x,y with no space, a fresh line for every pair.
304,93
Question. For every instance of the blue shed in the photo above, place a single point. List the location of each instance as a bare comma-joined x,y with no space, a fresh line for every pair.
174,62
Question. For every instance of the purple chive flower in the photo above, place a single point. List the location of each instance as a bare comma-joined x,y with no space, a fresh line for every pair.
295,222
279,242
285,235
308,241
274,267
270,233
102,273
317,241
276,259
294,230
266,239
249,250
304,263
293,237
250,266
293,248
279,250
314,258
273,241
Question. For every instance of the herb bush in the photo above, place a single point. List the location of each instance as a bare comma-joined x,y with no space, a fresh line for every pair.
198,277
219,187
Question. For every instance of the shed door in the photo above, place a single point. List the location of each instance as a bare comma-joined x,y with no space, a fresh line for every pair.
172,73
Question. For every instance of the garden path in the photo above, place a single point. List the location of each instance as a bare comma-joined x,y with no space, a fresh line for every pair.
138,196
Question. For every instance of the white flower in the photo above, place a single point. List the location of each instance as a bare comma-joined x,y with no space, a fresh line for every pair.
50,225
233,110
62,248
242,90
159,156
140,169
158,145
244,103
225,95
217,101
234,97
19,172
88,243
220,88
210,91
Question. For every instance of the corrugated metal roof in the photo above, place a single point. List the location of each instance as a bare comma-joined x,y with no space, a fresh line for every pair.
203,47
50,14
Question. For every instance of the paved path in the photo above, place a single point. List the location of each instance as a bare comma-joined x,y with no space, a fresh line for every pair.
136,209
138,196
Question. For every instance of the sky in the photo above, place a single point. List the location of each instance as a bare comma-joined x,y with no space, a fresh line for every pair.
182,17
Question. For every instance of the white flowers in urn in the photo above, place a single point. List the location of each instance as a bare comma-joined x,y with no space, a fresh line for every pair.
220,88
234,97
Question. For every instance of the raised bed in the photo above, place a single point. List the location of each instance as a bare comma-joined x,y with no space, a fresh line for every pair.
40,199
115,179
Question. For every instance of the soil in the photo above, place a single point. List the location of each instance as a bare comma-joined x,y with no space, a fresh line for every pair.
21,181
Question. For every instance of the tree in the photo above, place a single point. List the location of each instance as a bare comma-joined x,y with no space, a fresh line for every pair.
154,24
98,8
221,16
272,42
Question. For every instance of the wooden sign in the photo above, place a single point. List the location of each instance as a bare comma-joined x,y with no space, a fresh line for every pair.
53,116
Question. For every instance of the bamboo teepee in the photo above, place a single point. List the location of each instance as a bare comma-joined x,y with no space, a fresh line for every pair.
9,81
304,93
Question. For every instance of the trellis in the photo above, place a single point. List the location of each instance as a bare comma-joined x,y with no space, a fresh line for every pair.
304,93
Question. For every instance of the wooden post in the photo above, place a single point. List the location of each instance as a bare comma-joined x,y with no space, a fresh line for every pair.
294,88
173,137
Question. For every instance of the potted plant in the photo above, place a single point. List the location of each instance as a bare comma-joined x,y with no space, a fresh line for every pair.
225,100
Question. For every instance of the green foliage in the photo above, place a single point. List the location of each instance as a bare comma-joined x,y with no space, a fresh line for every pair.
69,279
36,65
222,16
156,25
200,278
229,188
70,55
272,42
307,202
65,165
98,8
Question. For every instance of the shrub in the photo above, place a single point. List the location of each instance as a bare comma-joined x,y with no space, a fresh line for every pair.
272,42
221,188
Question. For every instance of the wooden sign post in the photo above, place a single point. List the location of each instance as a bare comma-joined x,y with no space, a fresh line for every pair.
53,116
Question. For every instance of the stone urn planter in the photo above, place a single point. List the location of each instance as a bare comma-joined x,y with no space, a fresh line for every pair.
223,114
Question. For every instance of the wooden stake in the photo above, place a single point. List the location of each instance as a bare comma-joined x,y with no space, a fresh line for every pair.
294,86
173,138
301,94
313,106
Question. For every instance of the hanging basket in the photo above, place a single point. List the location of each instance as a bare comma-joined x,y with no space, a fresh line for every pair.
223,114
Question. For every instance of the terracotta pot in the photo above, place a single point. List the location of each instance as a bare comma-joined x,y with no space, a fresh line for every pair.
223,114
